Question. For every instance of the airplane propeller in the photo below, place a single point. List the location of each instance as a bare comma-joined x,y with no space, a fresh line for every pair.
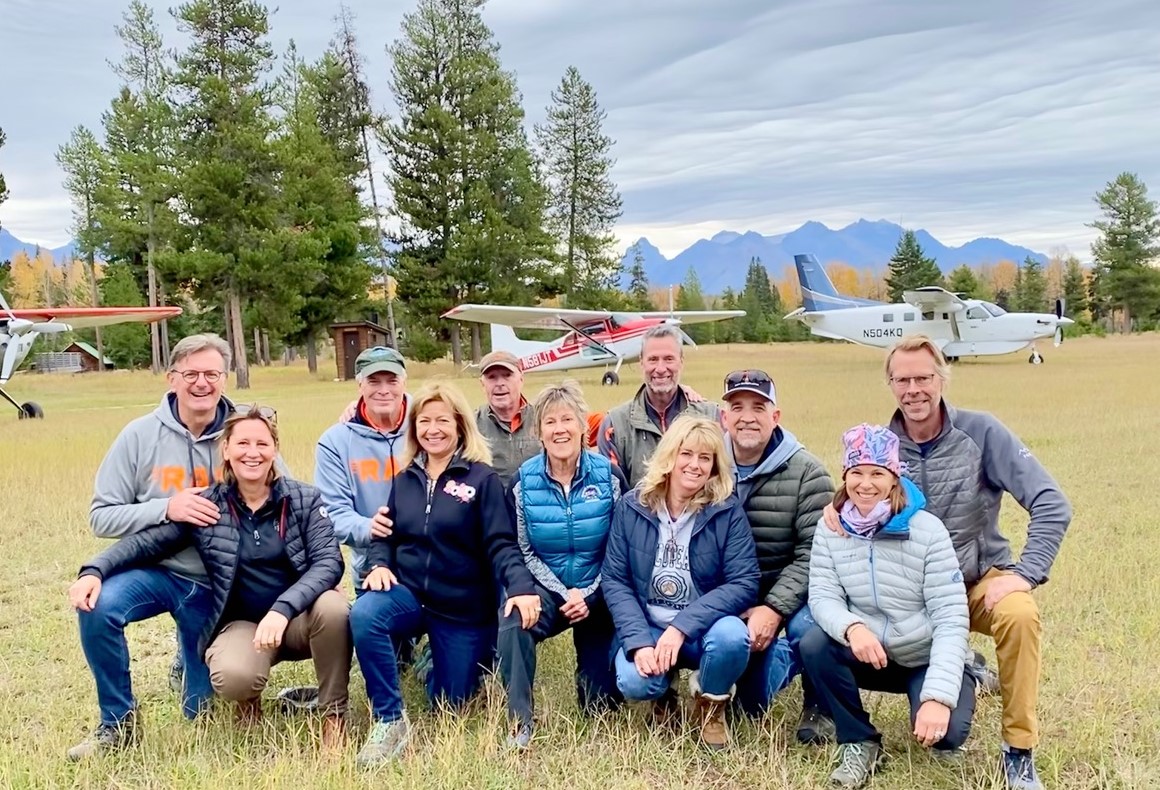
1059,307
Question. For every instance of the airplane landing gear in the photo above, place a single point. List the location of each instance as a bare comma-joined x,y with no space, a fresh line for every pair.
1036,358
609,379
27,410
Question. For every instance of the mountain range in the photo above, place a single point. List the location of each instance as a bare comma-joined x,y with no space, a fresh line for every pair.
721,261
10,245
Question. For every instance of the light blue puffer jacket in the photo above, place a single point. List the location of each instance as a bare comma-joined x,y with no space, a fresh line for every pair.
904,584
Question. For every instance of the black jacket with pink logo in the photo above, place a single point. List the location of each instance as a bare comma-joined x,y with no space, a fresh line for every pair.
454,548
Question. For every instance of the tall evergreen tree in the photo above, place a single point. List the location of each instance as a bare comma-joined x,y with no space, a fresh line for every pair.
762,305
583,202
1075,290
1124,279
86,169
963,281
322,239
464,182
910,268
228,170
1031,288
638,298
690,297
128,344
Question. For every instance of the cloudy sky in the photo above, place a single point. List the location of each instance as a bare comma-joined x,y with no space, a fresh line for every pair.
987,117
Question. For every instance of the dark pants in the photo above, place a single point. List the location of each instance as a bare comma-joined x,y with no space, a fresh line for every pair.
132,596
593,637
838,675
382,620
774,668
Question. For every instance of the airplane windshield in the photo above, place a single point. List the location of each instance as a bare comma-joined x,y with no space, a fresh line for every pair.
994,309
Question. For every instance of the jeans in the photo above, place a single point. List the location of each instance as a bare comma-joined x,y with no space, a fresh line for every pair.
838,675
382,620
720,656
593,638
774,668
130,597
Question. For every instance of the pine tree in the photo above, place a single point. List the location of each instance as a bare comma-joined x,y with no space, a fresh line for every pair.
1124,278
762,306
86,170
963,282
323,238
1031,288
728,331
638,298
1075,295
126,344
464,181
228,171
583,202
691,298
910,268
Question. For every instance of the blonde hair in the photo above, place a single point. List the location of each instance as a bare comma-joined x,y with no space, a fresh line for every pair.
263,414
700,433
920,343
472,446
568,394
896,497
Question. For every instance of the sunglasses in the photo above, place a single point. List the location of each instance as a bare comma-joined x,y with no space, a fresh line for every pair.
265,412
739,377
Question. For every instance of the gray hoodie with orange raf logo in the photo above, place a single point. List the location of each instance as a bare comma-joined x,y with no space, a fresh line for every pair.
153,458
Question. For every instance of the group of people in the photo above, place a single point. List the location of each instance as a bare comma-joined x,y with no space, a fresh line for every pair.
670,533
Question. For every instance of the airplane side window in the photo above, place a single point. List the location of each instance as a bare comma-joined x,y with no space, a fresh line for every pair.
928,315
977,314
908,316
946,316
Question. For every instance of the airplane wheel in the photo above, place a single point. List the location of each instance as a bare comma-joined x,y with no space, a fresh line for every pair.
610,379
31,411
1036,358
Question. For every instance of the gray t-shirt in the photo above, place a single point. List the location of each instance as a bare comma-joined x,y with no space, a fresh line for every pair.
671,588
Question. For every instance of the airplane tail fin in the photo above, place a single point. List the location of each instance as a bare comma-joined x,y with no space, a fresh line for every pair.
818,293
503,338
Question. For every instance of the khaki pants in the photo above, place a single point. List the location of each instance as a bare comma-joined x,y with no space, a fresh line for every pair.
239,672
1014,624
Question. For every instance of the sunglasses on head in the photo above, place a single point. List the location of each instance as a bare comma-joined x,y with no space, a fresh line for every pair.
739,377
265,412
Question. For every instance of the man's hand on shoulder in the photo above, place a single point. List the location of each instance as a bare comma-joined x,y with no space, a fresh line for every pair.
190,507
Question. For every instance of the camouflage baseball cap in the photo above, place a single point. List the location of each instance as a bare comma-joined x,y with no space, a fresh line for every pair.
379,359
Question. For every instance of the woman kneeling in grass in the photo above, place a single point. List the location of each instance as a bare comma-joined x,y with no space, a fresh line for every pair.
891,610
679,568
272,563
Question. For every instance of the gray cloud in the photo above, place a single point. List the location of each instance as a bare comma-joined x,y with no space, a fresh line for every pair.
983,118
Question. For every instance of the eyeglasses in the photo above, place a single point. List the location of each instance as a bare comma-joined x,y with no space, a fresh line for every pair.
191,376
265,412
739,377
904,382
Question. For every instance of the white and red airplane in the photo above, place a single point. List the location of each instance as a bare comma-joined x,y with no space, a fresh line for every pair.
20,328
593,337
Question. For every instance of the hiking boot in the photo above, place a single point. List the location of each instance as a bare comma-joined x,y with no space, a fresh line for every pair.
386,741
176,674
1019,769
298,699
947,756
857,762
709,710
521,737
666,711
815,728
107,738
333,732
248,712
986,679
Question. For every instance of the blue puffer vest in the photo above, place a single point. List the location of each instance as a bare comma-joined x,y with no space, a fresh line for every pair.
568,534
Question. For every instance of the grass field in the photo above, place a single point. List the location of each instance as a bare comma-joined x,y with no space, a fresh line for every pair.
1089,414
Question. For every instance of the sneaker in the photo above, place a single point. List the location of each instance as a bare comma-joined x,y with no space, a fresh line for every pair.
1019,769
298,699
857,762
947,756
386,741
176,674
107,738
521,738
815,728
986,679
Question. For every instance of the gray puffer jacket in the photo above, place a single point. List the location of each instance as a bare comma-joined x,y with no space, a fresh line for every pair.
904,584
963,473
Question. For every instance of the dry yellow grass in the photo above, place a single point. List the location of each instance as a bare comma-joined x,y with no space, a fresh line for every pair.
1089,414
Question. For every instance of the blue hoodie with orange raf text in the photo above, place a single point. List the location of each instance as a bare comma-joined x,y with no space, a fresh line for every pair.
153,458
354,467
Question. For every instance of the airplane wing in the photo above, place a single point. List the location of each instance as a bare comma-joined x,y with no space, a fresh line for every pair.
695,316
86,317
934,299
525,317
